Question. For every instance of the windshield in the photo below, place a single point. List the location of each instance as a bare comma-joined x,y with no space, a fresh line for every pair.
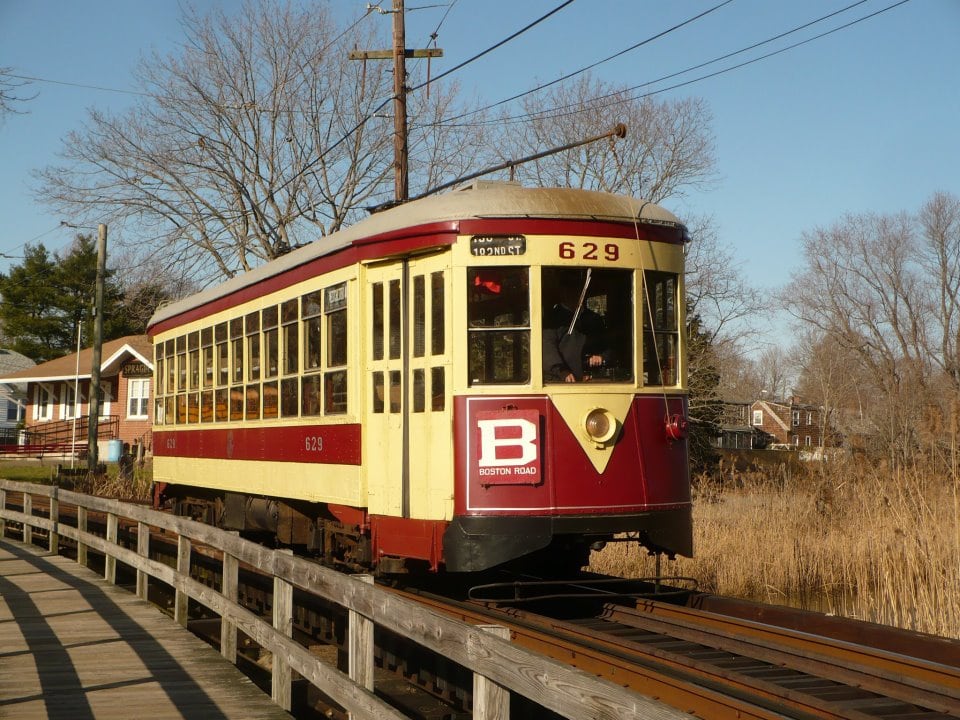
587,325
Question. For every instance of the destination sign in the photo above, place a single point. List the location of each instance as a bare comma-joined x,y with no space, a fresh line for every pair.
497,245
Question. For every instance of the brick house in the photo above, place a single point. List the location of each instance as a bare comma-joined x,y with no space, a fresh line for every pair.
57,391
792,424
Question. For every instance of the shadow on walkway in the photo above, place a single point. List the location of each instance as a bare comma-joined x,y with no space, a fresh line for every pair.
61,687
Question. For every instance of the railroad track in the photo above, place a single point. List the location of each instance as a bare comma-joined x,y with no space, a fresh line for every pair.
719,666
724,659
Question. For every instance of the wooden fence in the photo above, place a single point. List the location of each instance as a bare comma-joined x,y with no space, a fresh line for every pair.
499,667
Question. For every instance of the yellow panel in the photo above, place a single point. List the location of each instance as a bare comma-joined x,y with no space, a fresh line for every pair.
574,409
303,481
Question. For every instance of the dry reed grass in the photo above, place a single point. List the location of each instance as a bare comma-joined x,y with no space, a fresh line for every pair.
856,541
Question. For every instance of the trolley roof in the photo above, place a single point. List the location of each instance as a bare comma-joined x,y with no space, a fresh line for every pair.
477,201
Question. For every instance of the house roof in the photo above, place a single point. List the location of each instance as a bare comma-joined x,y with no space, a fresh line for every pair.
113,354
766,406
11,361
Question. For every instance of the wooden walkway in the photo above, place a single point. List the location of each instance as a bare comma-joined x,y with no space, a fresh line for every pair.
74,647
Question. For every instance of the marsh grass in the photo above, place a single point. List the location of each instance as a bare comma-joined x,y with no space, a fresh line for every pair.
135,486
842,538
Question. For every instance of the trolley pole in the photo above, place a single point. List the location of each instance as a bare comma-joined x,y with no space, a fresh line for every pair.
93,423
399,54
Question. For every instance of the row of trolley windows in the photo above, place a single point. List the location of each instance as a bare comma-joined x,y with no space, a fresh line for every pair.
285,360
588,321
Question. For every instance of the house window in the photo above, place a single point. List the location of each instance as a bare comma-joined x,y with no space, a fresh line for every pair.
14,410
106,396
807,441
69,405
138,397
758,417
42,403
796,441
809,418
796,418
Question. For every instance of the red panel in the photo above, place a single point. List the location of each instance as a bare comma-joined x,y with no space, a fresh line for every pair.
404,537
349,515
326,444
646,470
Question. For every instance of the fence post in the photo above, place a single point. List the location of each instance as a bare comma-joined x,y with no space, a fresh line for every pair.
27,510
143,550
3,506
281,691
181,599
54,545
491,701
81,531
109,561
360,644
229,589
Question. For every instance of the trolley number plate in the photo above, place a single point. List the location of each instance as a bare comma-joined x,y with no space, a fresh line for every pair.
589,251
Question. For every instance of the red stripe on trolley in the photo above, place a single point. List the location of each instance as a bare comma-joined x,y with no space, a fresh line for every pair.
324,444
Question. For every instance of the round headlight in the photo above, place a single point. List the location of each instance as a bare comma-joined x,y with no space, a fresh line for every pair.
600,425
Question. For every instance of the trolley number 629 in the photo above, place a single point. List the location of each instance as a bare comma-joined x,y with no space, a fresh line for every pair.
589,251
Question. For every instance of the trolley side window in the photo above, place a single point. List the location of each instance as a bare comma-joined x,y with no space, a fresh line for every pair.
498,325
588,320
335,379
661,328
310,386
271,362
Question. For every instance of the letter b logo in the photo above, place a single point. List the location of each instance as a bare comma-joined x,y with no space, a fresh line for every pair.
507,442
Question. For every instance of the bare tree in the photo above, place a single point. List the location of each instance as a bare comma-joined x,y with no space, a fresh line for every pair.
832,377
261,135
10,92
939,259
668,149
885,287
717,290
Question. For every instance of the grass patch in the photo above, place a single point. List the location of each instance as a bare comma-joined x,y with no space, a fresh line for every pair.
44,472
841,538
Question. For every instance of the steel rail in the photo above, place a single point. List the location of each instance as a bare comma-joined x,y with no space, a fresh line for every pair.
687,665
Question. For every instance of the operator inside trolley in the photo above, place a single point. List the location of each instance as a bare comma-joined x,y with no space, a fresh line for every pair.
575,338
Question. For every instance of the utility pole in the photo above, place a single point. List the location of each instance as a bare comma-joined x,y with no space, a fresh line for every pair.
399,53
92,425
400,154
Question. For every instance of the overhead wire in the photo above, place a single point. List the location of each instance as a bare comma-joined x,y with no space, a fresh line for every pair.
584,69
709,75
551,112
480,54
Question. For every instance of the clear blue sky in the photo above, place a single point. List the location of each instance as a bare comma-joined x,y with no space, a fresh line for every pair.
864,120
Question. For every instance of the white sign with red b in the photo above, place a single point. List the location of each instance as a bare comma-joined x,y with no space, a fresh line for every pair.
508,447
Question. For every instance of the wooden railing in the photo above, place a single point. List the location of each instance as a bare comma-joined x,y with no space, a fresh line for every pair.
499,667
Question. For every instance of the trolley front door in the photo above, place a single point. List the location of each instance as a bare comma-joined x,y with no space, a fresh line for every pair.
407,433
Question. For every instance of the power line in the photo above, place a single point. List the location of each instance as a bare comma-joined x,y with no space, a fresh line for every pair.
479,55
604,60
728,69
552,112
370,115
